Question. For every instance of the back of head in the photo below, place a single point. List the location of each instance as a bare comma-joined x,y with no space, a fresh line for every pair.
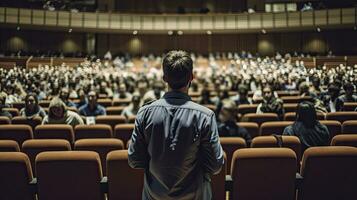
177,68
306,114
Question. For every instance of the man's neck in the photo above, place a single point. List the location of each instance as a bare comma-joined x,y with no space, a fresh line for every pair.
183,90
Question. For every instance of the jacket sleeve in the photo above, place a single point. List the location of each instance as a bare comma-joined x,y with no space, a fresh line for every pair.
210,148
138,156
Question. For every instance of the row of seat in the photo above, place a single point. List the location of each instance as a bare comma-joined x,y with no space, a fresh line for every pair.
260,173
123,131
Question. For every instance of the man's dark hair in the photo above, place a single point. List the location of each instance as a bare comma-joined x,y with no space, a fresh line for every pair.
177,67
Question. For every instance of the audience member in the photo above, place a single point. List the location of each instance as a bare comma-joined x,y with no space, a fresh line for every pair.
92,108
347,97
134,106
270,103
64,96
32,109
3,105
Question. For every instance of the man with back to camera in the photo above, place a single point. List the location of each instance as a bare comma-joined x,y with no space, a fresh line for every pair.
175,140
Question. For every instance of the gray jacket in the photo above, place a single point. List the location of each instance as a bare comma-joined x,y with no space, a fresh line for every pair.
176,142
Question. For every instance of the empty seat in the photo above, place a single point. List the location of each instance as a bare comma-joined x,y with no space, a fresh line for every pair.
290,116
18,133
252,128
291,142
111,120
55,131
123,132
15,173
230,145
69,175
9,146
349,106
33,147
93,131
247,108
269,128
345,140
264,173
329,173
123,181
342,116
105,102
260,118
290,107
349,127
334,127
13,111
102,146
114,110
4,120
33,122
121,102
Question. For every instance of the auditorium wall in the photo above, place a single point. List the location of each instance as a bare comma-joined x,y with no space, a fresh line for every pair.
339,41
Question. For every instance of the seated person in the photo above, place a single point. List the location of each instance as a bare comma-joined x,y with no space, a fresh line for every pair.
227,122
64,96
82,99
32,109
133,108
347,97
242,96
307,128
205,97
122,93
3,105
58,114
92,108
304,90
330,99
270,103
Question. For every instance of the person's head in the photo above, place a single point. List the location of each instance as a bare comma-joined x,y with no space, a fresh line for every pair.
306,114
92,98
349,88
267,93
333,90
2,100
228,111
303,88
316,82
242,91
136,98
177,68
31,102
57,108
122,88
64,94
81,95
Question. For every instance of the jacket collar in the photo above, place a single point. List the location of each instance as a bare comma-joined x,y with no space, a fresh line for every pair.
176,95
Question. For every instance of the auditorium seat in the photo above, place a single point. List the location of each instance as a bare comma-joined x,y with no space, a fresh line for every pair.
252,128
269,128
102,146
247,108
111,120
124,182
9,146
18,105
218,182
349,127
131,119
114,110
15,173
342,116
263,173
230,145
334,127
194,94
123,132
345,140
55,131
33,147
33,122
70,175
93,131
210,106
4,120
105,102
260,118
13,111
329,173
18,133
295,99
290,116
44,103
121,102
291,142
290,107
349,106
